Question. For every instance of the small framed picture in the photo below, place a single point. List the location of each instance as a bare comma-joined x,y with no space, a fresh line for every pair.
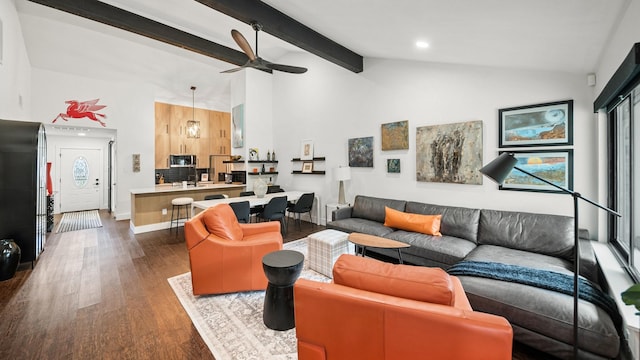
536,125
306,151
307,167
393,166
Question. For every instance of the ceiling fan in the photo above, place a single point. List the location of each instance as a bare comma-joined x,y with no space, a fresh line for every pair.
255,61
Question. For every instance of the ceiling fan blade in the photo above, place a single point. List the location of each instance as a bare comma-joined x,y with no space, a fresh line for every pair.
232,70
243,43
287,68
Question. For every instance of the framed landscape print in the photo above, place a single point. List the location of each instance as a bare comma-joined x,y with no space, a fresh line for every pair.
555,166
361,152
536,125
395,135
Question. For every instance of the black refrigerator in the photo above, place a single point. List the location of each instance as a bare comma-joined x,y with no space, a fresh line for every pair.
23,206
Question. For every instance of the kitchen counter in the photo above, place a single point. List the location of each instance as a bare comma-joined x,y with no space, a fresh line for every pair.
177,187
151,207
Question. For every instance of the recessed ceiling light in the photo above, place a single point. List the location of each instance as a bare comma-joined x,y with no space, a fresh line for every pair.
422,44
81,134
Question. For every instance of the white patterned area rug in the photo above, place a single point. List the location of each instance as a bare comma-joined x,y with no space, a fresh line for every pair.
79,220
231,324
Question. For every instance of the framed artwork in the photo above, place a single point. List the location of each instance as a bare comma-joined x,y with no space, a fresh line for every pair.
395,135
536,125
307,167
361,152
393,165
450,153
237,126
555,166
306,150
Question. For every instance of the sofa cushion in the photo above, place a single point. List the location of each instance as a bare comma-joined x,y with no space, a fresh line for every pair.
538,233
361,226
371,208
221,221
456,221
546,313
425,224
442,251
431,285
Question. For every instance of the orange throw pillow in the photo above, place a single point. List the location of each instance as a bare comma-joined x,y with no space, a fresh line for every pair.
432,285
425,224
221,221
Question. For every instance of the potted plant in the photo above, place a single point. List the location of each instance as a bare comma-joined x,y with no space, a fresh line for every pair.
631,296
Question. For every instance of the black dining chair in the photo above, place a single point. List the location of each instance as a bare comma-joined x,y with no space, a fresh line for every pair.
274,189
275,210
214,197
303,205
241,209
254,210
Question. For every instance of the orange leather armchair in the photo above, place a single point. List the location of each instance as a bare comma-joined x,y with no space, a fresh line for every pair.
226,256
374,310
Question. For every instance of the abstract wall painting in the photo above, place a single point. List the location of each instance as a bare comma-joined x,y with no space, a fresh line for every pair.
361,152
450,153
393,166
536,125
395,135
237,126
555,166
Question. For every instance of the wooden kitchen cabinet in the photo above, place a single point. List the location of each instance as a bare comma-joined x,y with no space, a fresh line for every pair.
220,132
171,134
203,143
163,149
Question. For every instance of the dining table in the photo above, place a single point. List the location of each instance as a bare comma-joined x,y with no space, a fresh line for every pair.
255,201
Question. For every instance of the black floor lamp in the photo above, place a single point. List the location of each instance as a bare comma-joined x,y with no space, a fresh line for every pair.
498,170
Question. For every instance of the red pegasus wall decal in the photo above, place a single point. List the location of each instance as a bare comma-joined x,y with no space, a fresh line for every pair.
79,110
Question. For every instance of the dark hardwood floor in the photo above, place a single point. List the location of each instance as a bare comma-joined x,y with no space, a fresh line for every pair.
103,294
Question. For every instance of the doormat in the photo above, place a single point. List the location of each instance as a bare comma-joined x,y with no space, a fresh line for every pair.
231,324
79,220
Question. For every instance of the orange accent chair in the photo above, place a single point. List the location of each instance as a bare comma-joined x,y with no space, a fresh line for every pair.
375,310
226,256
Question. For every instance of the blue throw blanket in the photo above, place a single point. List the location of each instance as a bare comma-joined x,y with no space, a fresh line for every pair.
543,279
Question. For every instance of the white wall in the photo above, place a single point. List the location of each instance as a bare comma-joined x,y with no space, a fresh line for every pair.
331,105
15,69
130,112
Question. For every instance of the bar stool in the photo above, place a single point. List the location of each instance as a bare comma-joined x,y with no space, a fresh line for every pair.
177,204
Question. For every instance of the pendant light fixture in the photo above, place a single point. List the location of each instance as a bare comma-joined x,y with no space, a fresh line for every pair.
193,126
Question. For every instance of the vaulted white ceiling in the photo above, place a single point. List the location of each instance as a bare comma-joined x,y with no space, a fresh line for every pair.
549,35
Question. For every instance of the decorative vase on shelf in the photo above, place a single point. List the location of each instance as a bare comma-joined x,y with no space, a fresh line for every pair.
259,187
9,258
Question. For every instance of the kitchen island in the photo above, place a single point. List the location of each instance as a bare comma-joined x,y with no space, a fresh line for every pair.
151,207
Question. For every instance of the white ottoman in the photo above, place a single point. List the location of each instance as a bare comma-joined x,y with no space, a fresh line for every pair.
324,249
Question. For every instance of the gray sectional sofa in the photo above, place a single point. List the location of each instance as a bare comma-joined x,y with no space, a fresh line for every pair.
540,318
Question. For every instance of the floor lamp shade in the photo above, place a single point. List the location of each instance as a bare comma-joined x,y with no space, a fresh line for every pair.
341,174
499,169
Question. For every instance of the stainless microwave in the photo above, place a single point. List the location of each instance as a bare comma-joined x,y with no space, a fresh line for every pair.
182,160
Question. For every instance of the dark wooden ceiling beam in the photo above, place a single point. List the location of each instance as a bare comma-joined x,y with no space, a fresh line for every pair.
284,27
122,19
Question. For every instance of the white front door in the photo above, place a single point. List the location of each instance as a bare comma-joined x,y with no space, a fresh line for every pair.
81,177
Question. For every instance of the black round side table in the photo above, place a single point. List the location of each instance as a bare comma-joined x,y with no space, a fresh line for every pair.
282,269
